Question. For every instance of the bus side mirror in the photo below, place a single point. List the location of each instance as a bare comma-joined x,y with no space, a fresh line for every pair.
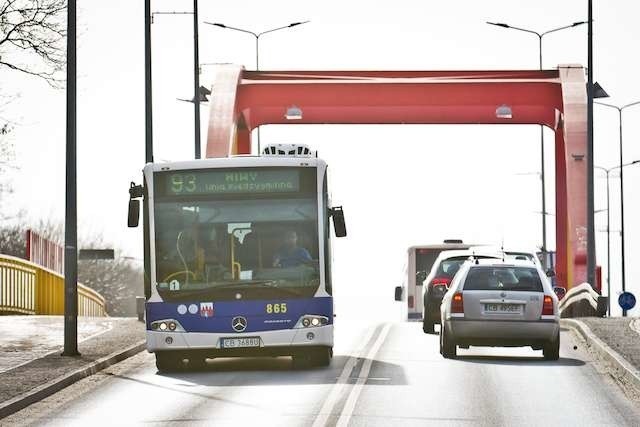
339,226
135,192
421,276
134,213
398,294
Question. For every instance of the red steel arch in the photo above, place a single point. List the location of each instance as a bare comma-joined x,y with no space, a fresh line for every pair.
243,100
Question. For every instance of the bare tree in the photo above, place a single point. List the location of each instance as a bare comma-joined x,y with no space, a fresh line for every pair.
33,29
7,157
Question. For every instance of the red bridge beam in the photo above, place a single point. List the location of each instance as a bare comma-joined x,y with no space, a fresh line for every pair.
243,100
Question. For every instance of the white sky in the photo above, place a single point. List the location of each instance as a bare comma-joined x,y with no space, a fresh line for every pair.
399,185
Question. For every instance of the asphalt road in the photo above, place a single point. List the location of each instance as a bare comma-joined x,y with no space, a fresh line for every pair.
383,374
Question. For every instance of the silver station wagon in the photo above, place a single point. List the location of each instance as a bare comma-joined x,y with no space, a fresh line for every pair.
500,303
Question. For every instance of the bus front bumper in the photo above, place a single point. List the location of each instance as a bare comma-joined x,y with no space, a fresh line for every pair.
271,342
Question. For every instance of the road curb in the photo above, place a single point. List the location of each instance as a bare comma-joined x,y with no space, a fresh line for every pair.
624,369
22,401
635,326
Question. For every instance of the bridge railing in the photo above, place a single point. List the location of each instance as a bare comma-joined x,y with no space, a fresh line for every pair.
27,288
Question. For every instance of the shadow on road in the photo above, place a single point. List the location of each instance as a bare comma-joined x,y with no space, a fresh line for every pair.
279,371
529,361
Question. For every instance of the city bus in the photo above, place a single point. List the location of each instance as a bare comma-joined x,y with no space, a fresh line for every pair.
420,259
238,257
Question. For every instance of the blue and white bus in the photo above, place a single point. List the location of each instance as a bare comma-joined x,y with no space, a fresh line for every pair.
239,257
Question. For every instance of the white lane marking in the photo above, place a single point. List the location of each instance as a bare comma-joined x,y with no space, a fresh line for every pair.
341,382
347,411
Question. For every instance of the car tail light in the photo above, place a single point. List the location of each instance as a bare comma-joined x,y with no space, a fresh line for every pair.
442,281
547,306
457,304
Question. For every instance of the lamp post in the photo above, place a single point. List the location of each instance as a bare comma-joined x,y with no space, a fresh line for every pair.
71,199
257,38
620,110
607,171
542,156
196,73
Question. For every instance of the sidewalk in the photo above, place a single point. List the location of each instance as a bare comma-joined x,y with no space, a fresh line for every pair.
622,334
30,348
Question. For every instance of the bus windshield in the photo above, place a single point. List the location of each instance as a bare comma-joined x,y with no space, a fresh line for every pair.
219,245
237,243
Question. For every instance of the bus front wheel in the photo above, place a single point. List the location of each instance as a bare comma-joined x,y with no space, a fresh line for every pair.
322,357
318,357
168,361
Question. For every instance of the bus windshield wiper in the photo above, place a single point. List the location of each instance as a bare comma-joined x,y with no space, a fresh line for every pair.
271,284
242,283
262,283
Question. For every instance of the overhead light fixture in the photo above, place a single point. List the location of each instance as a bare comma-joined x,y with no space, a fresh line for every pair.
504,112
599,92
293,113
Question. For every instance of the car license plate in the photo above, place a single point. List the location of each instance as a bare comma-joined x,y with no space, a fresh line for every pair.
240,342
503,308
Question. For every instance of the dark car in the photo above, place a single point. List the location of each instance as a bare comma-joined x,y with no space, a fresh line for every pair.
437,283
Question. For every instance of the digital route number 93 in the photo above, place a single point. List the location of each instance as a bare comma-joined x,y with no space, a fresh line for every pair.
276,308
183,183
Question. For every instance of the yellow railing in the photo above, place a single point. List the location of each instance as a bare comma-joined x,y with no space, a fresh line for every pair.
27,288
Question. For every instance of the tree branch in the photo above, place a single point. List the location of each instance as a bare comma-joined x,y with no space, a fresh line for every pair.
33,28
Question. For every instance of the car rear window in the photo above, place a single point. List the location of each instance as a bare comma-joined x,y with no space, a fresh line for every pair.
503,278
450,266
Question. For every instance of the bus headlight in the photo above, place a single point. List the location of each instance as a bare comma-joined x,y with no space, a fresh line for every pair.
167,325
311,321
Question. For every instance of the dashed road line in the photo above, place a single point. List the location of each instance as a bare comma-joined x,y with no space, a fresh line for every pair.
342,382
347,411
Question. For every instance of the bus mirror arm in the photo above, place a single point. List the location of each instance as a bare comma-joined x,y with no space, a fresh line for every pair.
135,192
339,226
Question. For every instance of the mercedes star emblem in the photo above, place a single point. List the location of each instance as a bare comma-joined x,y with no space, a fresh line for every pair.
503,294
239,323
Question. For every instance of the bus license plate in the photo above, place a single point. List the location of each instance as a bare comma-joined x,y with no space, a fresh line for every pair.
503,308
240,342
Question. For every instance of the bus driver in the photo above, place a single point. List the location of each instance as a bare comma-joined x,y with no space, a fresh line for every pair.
290,254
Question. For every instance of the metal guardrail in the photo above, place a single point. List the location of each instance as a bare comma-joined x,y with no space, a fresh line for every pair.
582,300
27,288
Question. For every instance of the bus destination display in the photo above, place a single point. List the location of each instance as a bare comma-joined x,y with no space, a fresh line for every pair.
232,182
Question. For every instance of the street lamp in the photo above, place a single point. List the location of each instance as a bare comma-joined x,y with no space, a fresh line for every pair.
203,94
620,109
607,171
542,169
196,72
257,37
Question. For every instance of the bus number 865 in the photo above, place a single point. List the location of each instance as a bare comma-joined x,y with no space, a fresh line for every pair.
276,308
